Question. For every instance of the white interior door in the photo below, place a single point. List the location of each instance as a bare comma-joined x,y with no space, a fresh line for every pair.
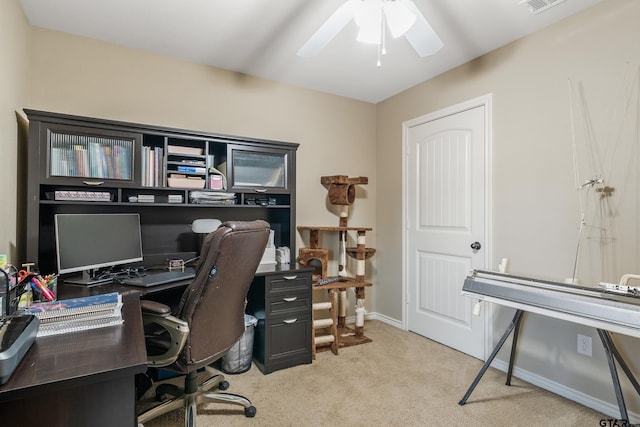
445,207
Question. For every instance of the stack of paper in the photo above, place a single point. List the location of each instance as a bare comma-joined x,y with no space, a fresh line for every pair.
146,198
77,314
212,197
174,198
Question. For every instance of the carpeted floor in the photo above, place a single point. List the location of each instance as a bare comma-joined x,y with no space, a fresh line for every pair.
399,379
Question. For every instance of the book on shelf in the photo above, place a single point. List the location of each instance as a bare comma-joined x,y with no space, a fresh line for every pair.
77,314
151,166
84,196
192,169
90,156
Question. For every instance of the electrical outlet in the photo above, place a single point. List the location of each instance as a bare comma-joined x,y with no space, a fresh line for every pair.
584,345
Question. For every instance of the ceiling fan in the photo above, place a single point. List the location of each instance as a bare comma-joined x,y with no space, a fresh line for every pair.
374,18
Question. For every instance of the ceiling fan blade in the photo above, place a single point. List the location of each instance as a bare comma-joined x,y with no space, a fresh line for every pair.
332,26
421,36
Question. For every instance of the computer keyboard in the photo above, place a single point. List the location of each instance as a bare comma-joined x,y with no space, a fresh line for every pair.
155,278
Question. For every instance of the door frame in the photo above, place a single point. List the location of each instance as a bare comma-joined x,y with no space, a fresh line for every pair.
486,101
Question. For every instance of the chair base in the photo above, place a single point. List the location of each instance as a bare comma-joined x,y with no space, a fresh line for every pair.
193,394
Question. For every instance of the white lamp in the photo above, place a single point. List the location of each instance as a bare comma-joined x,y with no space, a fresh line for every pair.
202,227
205,225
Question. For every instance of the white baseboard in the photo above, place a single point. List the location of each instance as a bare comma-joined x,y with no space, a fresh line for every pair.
376,316
384,319
606,408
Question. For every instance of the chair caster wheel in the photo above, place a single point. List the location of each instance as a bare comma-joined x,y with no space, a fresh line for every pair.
223,385
250,412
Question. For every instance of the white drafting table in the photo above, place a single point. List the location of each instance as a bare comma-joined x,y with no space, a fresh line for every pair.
604,310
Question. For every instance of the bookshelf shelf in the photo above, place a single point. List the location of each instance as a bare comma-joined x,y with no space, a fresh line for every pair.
154,171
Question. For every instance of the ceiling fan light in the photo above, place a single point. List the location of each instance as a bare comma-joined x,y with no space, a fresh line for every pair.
369,34
368,17
399,18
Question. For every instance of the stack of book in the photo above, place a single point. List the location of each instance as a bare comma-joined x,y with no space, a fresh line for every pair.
77,314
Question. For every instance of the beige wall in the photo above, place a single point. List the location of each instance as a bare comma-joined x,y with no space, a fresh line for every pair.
14,89
336,135
534,206
535,214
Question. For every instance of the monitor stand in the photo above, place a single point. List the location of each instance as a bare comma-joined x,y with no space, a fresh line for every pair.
90,278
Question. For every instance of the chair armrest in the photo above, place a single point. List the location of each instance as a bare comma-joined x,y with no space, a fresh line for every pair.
159,314
154,307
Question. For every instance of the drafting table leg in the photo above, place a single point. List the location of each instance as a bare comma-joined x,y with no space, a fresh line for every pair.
514,344
515,322
614,374
610,349
621,362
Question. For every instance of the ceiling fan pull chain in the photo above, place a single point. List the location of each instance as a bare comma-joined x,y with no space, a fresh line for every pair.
381,46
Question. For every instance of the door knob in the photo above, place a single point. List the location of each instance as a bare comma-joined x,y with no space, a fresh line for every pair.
475,246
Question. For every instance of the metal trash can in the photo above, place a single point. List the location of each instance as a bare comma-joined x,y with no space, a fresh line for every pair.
239,357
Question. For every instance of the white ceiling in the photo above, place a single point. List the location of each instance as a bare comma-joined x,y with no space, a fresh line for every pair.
261,37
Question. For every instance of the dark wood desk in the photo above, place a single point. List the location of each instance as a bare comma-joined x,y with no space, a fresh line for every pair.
79,379
279,297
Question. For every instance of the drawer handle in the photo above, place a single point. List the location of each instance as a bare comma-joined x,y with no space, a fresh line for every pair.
93,182
260,190
290,299
290,277
290,321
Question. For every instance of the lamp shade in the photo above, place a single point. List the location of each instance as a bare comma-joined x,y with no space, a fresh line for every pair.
205,225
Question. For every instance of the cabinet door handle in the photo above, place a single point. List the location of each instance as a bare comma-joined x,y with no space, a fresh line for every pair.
290,299
290,277
260,190
93,182
290,321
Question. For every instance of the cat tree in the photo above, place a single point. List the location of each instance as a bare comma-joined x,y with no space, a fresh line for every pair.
341,193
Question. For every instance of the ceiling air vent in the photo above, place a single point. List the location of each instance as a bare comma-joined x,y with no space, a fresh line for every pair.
537,6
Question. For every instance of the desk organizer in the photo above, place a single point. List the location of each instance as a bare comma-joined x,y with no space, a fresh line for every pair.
8,293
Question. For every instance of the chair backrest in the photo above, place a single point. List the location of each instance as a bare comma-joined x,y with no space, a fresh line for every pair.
213,305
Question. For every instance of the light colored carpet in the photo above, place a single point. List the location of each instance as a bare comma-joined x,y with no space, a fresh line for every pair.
398,379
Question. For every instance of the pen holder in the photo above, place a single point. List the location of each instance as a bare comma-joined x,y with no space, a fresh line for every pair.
52,284
44,290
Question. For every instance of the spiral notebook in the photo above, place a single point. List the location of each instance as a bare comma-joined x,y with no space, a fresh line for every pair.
66,307
67,326
76,314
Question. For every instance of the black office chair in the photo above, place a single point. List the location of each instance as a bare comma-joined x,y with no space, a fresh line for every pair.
207,322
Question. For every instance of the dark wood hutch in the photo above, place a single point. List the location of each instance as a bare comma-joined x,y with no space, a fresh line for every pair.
88,165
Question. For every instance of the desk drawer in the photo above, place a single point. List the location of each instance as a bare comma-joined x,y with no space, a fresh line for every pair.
278,284
283,342
289,303
281,300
